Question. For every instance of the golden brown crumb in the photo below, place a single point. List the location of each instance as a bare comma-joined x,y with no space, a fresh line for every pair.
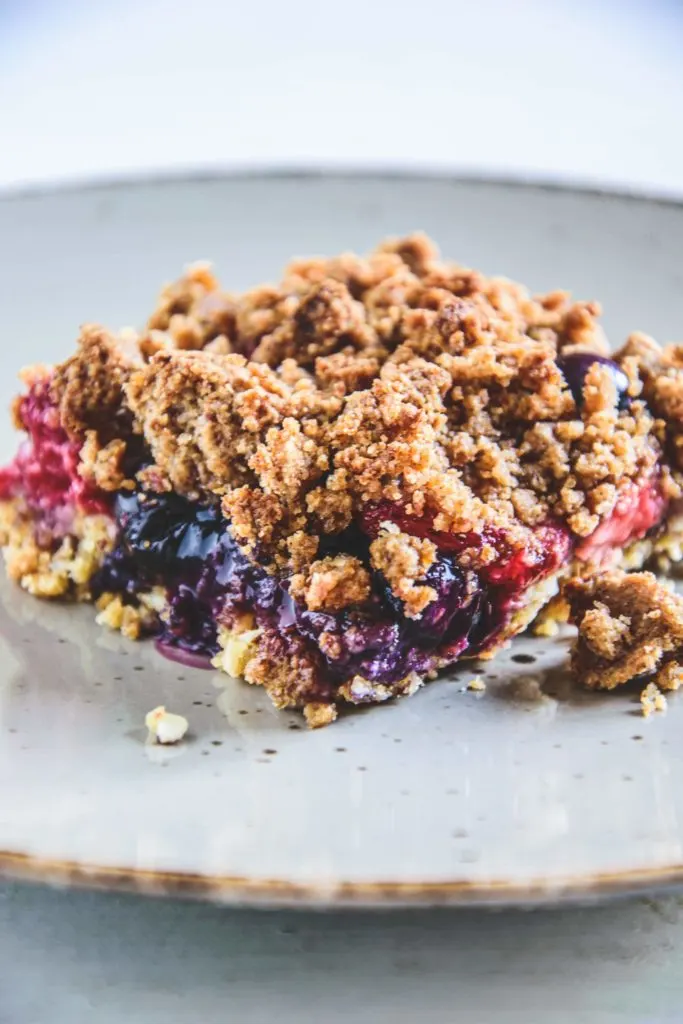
332,584
477,684
88,387
318,715
287,670
404,560
629,625
191,313
103,466
670,676
652,699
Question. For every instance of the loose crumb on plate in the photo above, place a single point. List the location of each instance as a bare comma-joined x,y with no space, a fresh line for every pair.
164,726
477,684
629,625
652,699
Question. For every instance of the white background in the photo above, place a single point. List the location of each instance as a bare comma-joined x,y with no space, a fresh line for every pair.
552,88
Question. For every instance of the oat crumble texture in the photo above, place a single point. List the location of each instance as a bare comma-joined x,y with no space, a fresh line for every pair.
629,625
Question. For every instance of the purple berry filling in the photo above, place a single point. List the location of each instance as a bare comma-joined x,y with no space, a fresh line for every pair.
576,365
165,540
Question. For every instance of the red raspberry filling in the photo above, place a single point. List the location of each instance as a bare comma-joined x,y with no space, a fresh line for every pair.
502,583
512,569
45,470
639,508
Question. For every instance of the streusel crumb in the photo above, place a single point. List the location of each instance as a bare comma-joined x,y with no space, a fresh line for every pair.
652,699
404,561
332,584
629,625
60,566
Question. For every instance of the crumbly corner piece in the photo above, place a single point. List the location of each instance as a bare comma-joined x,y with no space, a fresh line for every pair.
62,569
629,625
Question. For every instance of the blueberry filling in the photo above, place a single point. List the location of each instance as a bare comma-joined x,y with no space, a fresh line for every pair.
186,548
576,365
167,541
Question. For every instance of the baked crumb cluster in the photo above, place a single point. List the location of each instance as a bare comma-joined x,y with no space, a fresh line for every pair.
411,398
629,625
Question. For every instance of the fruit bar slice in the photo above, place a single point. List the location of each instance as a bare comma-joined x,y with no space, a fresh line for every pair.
336,486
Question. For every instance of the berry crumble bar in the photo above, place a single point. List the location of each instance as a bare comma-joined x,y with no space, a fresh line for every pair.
338,485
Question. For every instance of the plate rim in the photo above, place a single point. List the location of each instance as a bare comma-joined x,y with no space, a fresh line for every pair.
273,893
235,890
162,177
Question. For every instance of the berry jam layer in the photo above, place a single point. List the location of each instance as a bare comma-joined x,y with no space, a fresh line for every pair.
214,593
55,526
186,548
45,471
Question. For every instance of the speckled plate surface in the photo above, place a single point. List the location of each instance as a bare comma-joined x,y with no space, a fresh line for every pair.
528,792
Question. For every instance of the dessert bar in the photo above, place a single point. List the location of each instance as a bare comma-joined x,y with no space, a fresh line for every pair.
338,485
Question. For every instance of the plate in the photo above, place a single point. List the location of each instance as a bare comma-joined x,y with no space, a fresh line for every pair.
528,792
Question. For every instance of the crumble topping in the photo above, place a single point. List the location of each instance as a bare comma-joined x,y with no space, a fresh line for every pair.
88,387
404,560
659,372
103,465
286,668
629,625
395,378
60,566
332,583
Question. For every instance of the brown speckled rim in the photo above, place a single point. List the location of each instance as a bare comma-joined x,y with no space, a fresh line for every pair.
276,893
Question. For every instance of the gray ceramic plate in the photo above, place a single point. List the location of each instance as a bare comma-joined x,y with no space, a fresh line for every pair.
526,793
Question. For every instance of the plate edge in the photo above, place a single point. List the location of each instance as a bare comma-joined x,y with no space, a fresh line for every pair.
282,893
282,171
